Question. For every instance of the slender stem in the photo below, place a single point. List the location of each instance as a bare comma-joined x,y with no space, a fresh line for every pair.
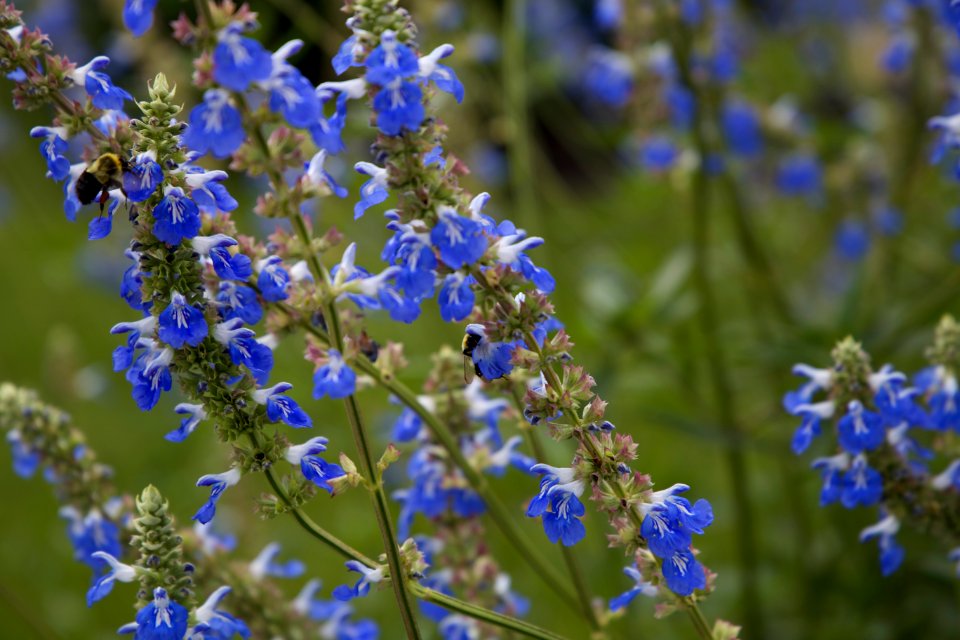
479,613
498,512
418,590
573,565
378,495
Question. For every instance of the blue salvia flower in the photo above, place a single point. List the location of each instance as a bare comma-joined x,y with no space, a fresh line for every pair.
215,624
361,587
215,126
852,239
683,573
334,379
98,85
244,349
400,307
89,534
101,226
510,250
26,461
138,15
418,271
208,191
860,429
144,177
117,572
558,504
608,76
239,61
891,553
52,148
640,586
327,132
943,398
316,175
460,240
273,280
239,301
511,602
800,174
374,191
226,265
71,204
335,616
607,13
314,468
131,284
194,413
741,129
265,564
291,95
162,618
819,379
831,469
442,76
211,541
456,297
150,374
809,427
347,55
282,408
218,483
491,360
670,520
399,106
658,154
182,324
390,61
176,217
862,485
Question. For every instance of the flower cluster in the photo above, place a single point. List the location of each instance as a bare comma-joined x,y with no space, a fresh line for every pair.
880,420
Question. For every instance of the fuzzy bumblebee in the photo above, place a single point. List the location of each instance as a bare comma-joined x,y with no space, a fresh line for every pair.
102,175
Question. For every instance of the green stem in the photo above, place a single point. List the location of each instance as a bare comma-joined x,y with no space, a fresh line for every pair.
573,565
496,509
378,495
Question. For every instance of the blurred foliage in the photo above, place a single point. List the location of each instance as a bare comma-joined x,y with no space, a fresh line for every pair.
618,244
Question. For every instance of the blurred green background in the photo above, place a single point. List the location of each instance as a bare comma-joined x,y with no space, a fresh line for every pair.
618,242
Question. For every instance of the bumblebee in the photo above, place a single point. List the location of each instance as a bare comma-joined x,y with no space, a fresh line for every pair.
470,342
103,174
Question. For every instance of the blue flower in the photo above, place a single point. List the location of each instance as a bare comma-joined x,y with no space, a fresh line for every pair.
800,175
334,379
239,301
390,61
214,624
741,129
118,572
176,217
144,177
558,504
399,106
491,360
138,15
265,565
71,204
207,190
862,485
683,573
215,126
640,586
852,240
456,297
374,191
150,376
891,553
658,154
238,61
162,618
830,473
132,282
347,55
101,226
460,240
819,379
442,76
401,308
317,176
361,588
244,349
103,94
407,426
291,94
670,520
218,483
608,76
182,324
226,266
194,415
809,428
274,280
944,398
52,148
281,407
26,461
860,429
314,468
418,270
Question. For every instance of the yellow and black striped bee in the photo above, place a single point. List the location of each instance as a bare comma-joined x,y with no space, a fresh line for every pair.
102,175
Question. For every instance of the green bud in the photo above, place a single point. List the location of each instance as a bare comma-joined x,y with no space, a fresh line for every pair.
161,550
